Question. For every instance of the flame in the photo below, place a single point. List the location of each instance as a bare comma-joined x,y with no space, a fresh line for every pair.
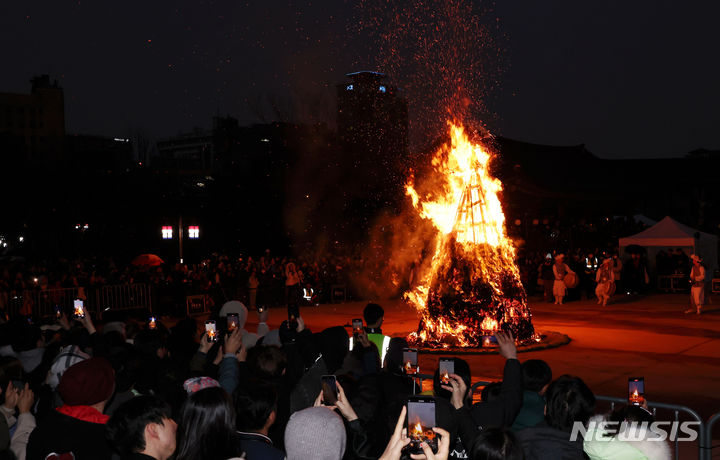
445,377
489,325
417,431
466,212
465,167
409,368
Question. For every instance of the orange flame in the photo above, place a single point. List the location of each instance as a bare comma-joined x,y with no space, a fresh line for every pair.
489,325
465,210
417,431
445,377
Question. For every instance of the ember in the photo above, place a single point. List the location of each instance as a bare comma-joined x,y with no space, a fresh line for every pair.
472,287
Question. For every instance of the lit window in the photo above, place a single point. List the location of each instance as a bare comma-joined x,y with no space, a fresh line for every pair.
167,232
349,88
382,89
193,232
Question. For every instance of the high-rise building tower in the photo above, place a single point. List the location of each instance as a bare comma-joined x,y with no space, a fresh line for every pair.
373,129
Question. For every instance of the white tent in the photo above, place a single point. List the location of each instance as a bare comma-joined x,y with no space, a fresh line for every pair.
669,233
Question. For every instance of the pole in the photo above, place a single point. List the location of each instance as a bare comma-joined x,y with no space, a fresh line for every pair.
180,238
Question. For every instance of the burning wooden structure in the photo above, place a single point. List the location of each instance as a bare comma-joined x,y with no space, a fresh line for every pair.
472,287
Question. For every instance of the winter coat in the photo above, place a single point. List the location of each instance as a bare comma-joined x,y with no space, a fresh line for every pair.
629,444
503,410
62,433
542,442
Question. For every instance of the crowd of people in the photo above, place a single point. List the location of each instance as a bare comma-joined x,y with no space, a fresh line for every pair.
130,390
266,280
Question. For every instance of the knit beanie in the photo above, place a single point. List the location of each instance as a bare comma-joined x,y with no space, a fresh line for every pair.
315,432
87,382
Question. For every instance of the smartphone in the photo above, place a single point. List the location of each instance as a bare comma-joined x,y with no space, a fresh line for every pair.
357,326
410,361
446,366
79,308
18,384
152,323
329,389
233,321
636,391
420,422
58,311
293,313
211,331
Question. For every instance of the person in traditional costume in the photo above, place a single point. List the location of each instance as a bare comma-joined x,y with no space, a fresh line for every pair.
560,270
697,283
605,282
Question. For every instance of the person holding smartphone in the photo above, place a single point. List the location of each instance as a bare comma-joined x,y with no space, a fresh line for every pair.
332,396
374,316
399,441
498,412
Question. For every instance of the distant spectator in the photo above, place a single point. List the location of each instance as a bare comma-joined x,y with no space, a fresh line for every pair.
374,316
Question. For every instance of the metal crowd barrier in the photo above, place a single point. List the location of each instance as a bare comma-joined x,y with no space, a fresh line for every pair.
708,436
123,297
97,299
704,440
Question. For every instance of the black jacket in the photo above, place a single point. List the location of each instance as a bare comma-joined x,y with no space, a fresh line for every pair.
61,433
503,410
543,442
500,412
258,447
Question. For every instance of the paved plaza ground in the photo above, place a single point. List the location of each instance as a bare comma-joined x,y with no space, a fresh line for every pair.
678,354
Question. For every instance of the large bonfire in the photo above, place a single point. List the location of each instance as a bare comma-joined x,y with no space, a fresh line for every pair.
472,287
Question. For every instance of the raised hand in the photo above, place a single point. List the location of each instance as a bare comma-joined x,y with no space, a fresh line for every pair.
344,406
26,400
443,447
459,390
398,440
507,345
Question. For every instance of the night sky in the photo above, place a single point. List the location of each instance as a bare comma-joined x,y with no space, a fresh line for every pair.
632,79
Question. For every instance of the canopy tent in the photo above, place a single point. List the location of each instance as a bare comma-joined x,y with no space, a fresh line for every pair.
669,233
